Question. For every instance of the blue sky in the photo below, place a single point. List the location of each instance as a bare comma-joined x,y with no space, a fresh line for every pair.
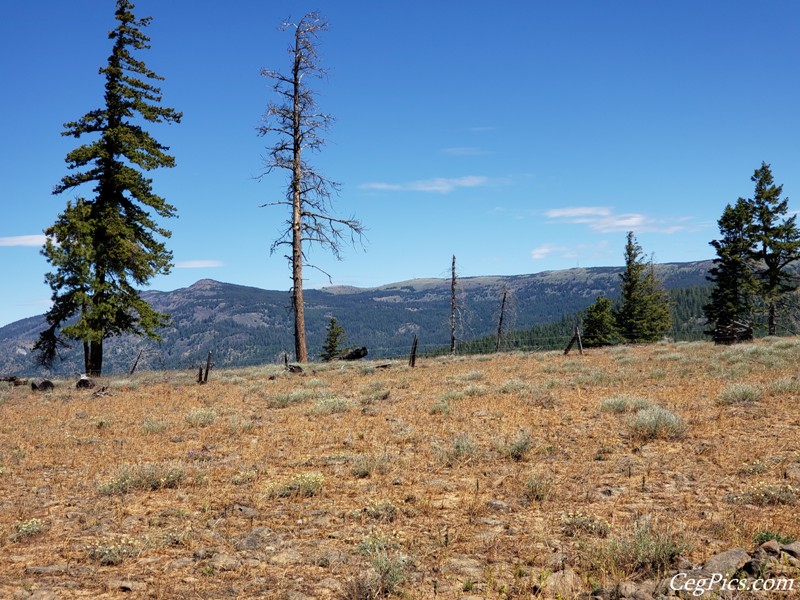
519,136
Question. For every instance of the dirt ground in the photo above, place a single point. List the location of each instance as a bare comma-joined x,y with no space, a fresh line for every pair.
462,477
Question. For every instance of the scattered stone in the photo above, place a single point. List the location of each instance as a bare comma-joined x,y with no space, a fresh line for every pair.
727,563
245,511
123,585
259,538
224,562
793,549
556,561
48,570
84,383
771,547
44,386
563,584
178,563
792,473
43,595
203,553
637,591
498,506
467,567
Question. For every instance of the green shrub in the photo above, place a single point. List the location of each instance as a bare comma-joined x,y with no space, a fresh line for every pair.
26,529
624,403
143,476
576,523
329,405
766,494
537,488
284,400
739,393
764,536
646,548
201,417
656,422
519,447
152,425
110,554
460,450
304,485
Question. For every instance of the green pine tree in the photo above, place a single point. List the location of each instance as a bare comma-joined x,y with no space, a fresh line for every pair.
599,326
775,240
731,297
333,339
102,247
644,311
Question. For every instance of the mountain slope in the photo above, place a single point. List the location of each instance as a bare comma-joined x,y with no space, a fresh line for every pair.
244,325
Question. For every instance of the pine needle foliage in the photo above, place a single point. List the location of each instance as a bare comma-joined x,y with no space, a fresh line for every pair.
102,247
644,311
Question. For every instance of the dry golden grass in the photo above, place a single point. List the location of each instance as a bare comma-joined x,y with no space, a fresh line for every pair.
460,476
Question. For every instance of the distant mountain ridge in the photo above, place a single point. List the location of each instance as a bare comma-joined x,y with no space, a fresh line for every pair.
244,325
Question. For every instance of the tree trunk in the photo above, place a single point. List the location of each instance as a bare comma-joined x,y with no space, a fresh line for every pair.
453,308
93,360
301,354
771,324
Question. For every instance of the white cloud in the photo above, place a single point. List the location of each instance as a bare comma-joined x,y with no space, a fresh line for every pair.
570,252
464,151
23,240
440,185
604,220
198,264
545,250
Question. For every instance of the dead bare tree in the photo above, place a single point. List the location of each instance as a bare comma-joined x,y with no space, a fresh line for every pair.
297,123
453,307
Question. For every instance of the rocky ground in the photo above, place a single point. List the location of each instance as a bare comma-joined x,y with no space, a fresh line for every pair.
510,476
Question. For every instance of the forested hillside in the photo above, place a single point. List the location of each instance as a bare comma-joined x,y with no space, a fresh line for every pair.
244,325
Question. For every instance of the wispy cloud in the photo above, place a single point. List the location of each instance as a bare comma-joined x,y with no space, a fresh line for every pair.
23,240
198,264
464,151
603,219
571,252
439,185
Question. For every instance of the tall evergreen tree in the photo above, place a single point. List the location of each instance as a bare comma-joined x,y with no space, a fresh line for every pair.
102,247
775,240
643,314
298,125
732,295
599,326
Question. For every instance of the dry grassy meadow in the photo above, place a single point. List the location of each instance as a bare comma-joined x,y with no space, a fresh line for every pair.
467,477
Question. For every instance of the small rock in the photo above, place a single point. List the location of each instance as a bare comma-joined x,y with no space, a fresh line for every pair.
203,553
468,567
84,383
564,584
178,563
43,595
793,549
771,547
637,591
123,585
245,511
498,506
727,563
257,539
224,562
48,570
556,561
793,473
